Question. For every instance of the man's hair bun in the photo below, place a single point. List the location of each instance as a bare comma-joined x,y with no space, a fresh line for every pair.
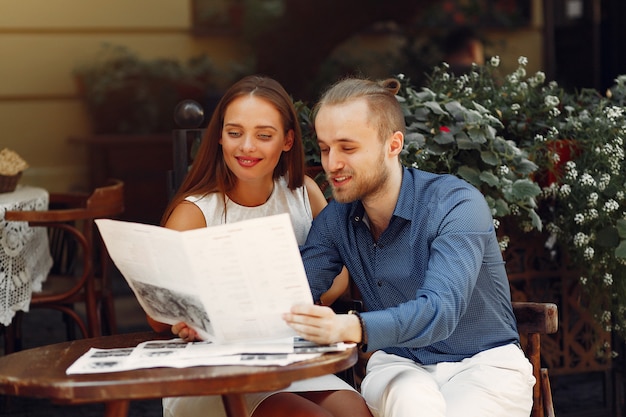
390,84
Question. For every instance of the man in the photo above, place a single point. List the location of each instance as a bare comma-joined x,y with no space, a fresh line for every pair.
422,250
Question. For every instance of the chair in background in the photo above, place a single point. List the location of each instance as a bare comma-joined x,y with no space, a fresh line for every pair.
80,273
188,115
533,320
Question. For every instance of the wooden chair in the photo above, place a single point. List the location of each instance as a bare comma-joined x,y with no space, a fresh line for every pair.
80,270
533,320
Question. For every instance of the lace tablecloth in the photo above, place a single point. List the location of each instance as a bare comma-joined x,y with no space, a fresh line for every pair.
24,252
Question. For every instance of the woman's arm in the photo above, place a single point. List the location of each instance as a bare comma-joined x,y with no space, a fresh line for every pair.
316,197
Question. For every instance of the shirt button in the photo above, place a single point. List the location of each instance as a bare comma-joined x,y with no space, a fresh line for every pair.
357,219
379,283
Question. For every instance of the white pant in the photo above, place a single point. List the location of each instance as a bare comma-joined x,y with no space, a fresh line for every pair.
493,383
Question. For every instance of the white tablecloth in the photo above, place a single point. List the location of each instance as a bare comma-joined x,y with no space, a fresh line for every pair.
24,252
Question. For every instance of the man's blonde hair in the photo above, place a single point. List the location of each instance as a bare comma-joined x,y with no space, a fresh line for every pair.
385,112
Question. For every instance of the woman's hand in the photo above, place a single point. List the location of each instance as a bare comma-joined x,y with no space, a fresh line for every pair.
185,332
321,325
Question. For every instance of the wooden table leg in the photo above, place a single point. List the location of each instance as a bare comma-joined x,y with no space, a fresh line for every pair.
235,405
116,408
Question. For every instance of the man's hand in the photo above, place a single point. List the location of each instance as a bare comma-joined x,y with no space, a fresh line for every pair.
321,325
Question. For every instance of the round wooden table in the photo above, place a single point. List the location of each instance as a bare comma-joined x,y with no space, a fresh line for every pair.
40,372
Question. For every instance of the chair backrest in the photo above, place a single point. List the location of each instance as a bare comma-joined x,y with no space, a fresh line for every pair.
533,320
69,220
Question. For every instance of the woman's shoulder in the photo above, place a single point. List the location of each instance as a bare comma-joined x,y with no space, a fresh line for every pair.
186,216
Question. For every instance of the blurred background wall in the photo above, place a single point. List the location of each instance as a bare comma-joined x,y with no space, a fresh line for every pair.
42,43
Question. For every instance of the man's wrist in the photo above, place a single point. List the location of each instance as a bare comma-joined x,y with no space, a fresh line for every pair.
363,342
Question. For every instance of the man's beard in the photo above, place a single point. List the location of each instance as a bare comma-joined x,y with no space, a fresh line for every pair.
364,184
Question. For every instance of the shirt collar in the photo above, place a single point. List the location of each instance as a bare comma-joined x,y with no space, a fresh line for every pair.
404,205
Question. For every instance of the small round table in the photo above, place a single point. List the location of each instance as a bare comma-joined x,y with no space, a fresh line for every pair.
40,372
24,252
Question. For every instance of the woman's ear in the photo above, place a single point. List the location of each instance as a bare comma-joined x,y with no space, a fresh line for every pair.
289,138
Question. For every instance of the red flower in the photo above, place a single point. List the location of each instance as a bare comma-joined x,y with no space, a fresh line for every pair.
444,129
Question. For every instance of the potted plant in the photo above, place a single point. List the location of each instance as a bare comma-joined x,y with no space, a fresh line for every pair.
312,158
546,160
126,94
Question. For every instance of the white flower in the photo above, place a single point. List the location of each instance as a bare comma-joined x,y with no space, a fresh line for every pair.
592,199
581,239
522,60
588,253
588,180
540,76
495,61
610,206
504,243
551,101
608,279
565,190
554,112
579,218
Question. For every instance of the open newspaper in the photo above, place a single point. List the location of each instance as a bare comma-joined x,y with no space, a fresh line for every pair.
231,282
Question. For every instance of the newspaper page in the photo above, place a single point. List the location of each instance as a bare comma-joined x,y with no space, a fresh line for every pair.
176,353
231,282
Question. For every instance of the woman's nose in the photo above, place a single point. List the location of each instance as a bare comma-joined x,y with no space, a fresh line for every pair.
247,143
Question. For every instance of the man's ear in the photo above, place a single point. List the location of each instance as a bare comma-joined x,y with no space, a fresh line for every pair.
289,138
396,143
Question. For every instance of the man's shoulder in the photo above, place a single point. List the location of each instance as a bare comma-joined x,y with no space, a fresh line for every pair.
424,181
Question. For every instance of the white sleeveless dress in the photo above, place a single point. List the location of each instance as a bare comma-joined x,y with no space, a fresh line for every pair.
282,200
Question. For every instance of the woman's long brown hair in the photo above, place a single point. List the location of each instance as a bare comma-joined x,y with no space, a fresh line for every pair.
209,172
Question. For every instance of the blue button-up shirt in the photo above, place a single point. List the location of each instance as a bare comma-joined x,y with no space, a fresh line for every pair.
434,285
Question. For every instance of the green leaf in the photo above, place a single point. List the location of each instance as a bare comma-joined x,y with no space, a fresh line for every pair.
417,138
621,228
444,138
455,109
525,188
470,175
525,167
535,219
434,107
489,178
463,142
477,135
502,208
490,158
620,250
435,149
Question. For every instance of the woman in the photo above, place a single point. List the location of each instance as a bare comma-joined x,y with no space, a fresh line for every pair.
250,164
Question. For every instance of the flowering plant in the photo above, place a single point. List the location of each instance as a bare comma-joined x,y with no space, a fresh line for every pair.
547,158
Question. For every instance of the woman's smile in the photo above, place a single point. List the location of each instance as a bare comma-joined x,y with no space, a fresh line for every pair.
247,161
